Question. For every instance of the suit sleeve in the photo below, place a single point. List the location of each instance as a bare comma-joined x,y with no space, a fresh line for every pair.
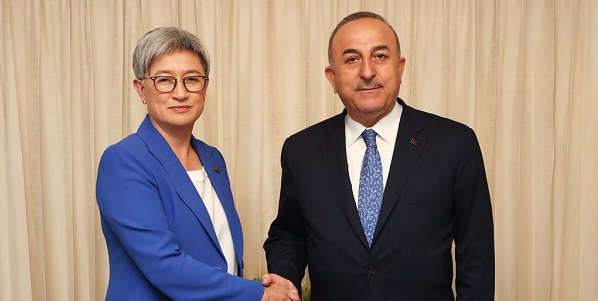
474,234
133,215
285,245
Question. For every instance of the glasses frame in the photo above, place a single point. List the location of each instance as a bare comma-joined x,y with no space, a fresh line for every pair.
176,81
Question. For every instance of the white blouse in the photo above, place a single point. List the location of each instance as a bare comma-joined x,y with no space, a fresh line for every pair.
202,183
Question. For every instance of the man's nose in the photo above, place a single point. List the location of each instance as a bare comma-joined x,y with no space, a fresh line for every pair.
367,69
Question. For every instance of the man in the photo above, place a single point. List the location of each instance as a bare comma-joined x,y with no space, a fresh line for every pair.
377,222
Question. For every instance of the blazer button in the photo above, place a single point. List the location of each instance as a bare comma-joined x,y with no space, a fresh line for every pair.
217,169
373,270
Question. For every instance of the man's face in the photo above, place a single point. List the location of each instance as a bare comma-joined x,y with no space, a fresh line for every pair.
367,69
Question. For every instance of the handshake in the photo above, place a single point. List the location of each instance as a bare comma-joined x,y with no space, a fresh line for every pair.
279,288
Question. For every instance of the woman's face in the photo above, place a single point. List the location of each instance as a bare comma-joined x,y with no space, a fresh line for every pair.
178,109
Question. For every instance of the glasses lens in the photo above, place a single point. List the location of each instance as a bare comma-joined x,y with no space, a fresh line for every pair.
194,83
164,83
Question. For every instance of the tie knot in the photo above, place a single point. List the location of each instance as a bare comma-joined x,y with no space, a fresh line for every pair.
369,136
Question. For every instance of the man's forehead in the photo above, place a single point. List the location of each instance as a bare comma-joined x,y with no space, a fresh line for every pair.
363,31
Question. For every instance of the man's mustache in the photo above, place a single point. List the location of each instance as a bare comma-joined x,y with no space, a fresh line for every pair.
368,84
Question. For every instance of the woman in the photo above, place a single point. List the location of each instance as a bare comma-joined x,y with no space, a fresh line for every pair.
167,210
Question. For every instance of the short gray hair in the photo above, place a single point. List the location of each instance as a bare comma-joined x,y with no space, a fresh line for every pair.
357,16
163,40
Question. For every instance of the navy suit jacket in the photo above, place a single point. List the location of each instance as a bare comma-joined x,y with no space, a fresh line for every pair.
436,193
160,238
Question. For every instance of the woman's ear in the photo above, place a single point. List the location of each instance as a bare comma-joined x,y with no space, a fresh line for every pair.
139,88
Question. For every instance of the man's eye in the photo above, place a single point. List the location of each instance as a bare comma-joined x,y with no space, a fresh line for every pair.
163,80
381,56
192,79
351,60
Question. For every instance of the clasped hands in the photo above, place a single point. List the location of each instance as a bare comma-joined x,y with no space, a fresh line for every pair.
278,288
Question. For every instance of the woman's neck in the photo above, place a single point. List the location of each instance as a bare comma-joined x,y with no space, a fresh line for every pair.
180,143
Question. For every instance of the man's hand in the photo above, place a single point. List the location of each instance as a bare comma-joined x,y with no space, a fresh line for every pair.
279,288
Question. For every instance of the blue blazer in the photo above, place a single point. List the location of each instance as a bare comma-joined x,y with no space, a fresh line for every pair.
160,238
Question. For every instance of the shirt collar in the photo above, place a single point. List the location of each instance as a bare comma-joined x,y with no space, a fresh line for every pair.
386,127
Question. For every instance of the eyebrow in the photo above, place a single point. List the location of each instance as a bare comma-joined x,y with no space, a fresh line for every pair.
350,50
186,72
380,47
374,49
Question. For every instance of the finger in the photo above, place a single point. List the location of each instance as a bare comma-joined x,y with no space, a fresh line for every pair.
291,286
266,280
294,296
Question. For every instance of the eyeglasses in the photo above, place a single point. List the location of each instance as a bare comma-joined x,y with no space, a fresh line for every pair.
195,83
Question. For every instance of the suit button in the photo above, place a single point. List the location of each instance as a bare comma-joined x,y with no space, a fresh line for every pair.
373,270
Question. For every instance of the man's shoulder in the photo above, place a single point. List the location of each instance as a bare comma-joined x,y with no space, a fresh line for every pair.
323,128
434,122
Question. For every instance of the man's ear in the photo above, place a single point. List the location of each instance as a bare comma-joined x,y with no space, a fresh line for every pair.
401,68
329,71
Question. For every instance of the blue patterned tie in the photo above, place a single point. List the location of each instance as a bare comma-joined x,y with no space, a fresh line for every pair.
370,186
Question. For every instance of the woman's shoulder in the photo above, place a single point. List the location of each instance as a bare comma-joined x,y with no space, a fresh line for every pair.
131,144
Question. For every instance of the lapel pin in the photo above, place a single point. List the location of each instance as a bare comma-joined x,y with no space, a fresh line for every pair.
414,142
217,169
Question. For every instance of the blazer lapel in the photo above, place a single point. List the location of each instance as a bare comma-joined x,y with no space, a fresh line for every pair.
180,179
410,142
335,161
216,170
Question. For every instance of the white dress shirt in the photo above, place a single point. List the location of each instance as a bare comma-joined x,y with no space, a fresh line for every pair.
387,129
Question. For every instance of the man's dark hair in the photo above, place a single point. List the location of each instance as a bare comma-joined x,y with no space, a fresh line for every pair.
357,16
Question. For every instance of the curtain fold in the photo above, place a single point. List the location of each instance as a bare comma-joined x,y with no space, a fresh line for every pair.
521,73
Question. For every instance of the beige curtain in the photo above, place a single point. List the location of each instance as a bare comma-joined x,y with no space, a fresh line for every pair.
522,73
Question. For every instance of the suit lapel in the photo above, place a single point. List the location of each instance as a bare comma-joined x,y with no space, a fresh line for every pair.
180,179
410,142
335,161
216,170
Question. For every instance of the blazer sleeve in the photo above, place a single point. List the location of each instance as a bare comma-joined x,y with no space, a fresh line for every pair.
474,234
131,209
285,245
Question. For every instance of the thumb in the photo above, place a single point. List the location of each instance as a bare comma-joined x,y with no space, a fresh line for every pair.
266,280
